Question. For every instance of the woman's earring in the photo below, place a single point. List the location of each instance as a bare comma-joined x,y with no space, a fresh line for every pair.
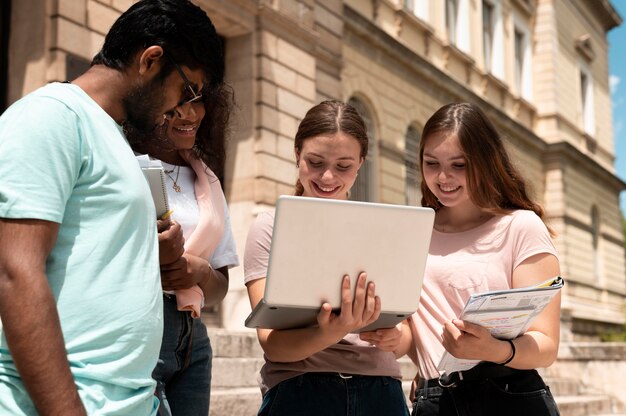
297,165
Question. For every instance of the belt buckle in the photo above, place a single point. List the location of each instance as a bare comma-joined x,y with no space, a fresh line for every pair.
345,377
448,382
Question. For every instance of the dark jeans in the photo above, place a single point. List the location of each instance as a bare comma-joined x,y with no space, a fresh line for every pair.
328,394
522,394
183,372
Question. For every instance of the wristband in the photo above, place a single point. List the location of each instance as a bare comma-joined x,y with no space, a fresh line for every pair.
512,352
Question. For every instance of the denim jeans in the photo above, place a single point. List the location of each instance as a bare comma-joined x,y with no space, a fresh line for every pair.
183,372
523,394
328,394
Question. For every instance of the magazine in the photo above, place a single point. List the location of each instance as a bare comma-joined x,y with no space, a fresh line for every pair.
506,313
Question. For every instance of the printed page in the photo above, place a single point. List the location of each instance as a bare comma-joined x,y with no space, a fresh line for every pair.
506,313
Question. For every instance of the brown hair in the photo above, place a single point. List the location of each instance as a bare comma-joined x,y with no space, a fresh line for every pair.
327,118
494,184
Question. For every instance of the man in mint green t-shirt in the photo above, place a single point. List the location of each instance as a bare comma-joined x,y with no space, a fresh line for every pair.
80,294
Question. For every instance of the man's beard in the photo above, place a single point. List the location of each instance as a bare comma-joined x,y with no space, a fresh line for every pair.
142,105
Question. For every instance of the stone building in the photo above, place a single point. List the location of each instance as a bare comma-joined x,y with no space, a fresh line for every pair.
539,69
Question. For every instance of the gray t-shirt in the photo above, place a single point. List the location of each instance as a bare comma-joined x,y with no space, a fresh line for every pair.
350,356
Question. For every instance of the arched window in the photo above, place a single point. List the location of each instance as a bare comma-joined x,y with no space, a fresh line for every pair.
411,163
364,188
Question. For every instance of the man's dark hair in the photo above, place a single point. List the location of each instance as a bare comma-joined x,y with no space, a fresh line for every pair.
181,28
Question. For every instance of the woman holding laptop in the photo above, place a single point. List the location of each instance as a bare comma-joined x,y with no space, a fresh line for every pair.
489,235
327,370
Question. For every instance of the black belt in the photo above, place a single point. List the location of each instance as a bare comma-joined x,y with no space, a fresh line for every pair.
345,376
482,371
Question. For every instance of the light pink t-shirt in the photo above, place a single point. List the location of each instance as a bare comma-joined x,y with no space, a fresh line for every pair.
460,264
349,356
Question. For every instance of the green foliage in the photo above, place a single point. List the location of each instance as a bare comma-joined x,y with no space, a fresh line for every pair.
614,336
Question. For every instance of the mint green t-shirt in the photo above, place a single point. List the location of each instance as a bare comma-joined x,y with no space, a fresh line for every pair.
63,159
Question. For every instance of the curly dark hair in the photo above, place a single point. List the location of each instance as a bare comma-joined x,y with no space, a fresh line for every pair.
214,130
212,135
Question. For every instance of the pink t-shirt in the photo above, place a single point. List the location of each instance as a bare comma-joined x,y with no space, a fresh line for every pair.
349,356
460,264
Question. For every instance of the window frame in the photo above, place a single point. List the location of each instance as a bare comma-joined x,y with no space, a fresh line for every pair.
365,186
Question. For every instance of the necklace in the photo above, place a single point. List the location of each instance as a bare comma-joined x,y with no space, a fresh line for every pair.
175,185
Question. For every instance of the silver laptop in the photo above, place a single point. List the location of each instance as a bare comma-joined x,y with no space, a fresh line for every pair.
317,241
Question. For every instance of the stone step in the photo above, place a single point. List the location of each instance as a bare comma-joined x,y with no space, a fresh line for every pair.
235,372
560,386
242,401
227,343
583,405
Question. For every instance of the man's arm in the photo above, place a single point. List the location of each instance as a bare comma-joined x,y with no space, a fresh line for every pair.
30,319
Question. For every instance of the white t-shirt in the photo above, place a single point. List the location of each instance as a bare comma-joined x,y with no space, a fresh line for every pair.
186,213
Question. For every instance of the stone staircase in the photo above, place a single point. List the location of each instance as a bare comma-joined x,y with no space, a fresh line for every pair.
237,359
574,402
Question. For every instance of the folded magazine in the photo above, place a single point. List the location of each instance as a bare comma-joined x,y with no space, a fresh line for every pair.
507,314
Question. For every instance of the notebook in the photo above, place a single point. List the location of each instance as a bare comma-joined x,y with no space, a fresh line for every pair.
153,171
317,241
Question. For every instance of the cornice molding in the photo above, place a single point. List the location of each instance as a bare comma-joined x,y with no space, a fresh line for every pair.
566,153
606,12
286,27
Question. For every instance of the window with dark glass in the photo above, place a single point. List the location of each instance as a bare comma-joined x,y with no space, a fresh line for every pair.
362,189
519,61
452,9
488,34
411,163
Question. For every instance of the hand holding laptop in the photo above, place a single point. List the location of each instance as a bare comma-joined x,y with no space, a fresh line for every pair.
356,311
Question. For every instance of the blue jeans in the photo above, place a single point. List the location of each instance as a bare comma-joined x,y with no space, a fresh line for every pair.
183,372
524,394
329,394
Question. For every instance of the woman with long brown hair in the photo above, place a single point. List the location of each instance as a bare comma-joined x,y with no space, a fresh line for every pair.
327,370
489,235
